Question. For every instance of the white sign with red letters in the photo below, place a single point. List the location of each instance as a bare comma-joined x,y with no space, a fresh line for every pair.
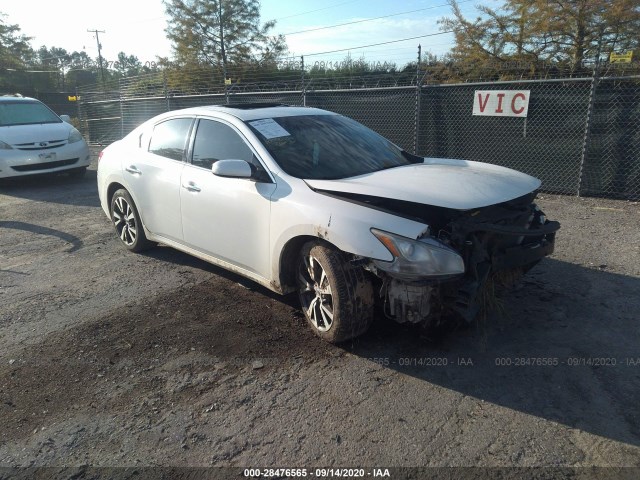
501,103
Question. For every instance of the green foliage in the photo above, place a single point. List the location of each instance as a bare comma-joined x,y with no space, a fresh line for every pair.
25,70
220,33
541,35
15,50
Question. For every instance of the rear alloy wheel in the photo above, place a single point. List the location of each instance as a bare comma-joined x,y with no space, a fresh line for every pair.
336,297
126,221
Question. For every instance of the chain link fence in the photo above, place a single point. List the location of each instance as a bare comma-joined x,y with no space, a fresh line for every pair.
612,159
581,136
547,143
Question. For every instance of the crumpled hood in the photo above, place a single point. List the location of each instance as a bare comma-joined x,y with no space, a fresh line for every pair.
41,132
457,184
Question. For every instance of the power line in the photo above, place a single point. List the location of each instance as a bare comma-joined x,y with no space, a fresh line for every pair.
381,43
31,71
317,10
371,19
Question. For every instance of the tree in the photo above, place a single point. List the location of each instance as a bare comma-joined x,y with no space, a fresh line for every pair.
15,49
81,61
53,57
220,32
128,65
579,29
562,33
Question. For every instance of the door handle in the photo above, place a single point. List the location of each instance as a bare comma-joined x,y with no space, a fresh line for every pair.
133,169
192,187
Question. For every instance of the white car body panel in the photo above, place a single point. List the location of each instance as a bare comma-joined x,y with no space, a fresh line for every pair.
12,158
244,226
35,133
345,225
227,218
457,184
157,192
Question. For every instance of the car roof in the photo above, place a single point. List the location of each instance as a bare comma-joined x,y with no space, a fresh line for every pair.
252,111
17,98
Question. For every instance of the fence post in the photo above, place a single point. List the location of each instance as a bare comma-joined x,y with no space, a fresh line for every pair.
121,102
304,88
166,90
595,79
416,126
81,125
587,132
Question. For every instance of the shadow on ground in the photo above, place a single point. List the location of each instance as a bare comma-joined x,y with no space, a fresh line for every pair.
76,243
566,348
562,353
54,188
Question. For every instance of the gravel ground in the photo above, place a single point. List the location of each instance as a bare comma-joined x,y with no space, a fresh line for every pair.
110,358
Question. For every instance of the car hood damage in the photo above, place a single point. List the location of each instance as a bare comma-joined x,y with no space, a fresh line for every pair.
483,212
451,184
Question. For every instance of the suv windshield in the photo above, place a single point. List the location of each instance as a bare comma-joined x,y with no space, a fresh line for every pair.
327,146
25,113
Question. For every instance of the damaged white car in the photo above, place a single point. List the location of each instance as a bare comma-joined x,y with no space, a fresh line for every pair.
301,199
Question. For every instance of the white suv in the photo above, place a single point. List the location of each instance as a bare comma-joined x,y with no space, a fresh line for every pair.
301,199
33,139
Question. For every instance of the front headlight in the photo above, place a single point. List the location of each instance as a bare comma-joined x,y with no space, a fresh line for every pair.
74,136
418,259
5,146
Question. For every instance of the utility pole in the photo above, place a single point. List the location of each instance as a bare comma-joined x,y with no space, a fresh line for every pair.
99,51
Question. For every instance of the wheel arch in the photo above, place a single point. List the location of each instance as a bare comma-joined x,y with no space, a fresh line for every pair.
112,189
288,256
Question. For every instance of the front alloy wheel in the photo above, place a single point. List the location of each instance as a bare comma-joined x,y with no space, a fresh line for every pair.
315,294
126,221
336,297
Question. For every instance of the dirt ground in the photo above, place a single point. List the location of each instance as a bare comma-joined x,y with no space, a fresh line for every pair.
115,359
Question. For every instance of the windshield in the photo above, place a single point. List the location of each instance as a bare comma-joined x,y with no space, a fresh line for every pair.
25,113
327,147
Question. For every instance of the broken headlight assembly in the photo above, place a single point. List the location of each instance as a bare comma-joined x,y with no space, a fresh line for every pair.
415,260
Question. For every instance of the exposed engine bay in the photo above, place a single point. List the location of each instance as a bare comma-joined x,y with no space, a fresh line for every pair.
498,243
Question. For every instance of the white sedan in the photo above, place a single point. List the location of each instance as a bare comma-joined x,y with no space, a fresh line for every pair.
34,140
301,199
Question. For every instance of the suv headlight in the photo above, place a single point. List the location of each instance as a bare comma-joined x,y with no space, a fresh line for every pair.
426,258
5,146
74,136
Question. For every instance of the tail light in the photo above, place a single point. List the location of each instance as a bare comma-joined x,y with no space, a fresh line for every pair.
100,155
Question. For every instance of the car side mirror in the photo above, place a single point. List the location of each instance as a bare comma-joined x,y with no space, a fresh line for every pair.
65,118
232,168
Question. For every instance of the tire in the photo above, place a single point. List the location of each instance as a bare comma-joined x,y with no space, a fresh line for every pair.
78,172
126,221
336,297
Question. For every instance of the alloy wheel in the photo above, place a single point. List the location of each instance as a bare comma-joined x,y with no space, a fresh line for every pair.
315,293
124,220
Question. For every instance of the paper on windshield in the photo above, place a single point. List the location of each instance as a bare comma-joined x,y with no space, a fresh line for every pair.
269,128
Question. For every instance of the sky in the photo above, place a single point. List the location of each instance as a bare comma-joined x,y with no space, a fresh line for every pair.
137,27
